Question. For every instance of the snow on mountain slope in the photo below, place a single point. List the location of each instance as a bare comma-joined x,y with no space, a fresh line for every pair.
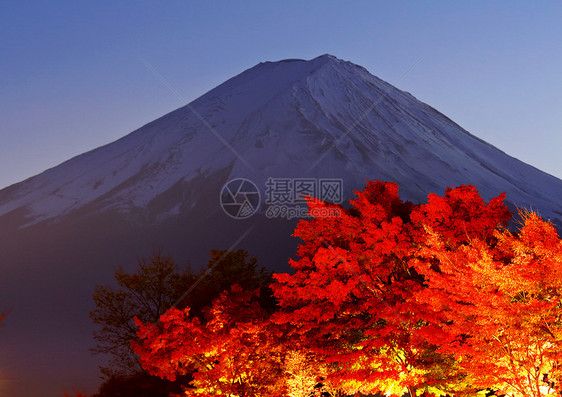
319,118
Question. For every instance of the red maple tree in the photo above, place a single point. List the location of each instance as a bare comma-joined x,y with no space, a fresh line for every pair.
434,299
352,296
502,302
230,353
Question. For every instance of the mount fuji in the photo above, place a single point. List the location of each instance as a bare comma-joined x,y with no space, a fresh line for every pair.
159,187
294,118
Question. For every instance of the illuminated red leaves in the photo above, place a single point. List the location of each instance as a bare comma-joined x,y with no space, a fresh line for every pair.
397,295
232,352
438,298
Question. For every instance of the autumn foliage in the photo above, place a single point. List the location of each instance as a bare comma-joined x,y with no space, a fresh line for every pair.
433,299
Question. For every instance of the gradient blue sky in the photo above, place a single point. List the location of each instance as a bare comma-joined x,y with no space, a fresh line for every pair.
73,74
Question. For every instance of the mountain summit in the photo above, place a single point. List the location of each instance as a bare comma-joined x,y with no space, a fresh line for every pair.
161,186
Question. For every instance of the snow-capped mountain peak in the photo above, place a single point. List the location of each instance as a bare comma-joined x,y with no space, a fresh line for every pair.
293,118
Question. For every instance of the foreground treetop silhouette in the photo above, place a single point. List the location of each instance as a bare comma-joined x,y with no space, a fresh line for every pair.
432,299
158,284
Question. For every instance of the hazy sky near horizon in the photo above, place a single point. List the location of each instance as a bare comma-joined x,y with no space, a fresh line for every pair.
77,75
